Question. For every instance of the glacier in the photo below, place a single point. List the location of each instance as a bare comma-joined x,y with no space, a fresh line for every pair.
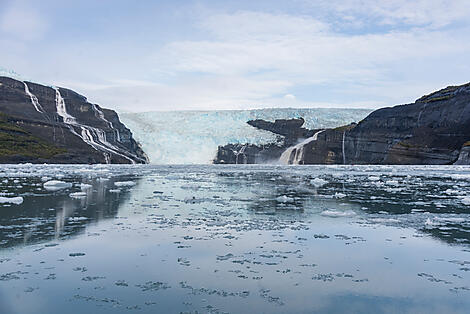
192,137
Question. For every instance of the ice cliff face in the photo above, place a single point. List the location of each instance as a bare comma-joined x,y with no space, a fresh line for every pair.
56,125
193,137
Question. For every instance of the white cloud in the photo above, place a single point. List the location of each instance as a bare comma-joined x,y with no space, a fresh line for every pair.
22,22
349,53
434,13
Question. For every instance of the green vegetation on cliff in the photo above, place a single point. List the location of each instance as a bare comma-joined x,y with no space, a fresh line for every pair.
16,141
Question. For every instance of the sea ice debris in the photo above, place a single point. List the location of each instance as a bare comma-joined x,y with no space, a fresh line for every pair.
56,185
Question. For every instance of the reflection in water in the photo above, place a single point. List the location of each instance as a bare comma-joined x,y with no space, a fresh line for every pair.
46,215
236,239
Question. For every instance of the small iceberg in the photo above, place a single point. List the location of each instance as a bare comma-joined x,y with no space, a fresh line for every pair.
78,195
318,182
335,213
11,200
56,185
124,183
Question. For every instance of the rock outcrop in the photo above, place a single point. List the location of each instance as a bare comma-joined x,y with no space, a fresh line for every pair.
435,129
42,124
290,131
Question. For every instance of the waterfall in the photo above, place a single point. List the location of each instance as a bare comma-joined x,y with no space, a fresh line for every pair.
62,110
34,99
420,113
88,133
100,114
344,155
241,152
294,154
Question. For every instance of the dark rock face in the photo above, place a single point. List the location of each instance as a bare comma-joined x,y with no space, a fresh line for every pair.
248,154
74,130
430,131
433,130
289,131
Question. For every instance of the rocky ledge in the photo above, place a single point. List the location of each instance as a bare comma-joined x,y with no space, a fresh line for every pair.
41,124
289,132
435,129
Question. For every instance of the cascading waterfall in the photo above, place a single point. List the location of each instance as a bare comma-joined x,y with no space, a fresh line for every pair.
38,107
420,113
344,153
88,133
100,115
34,99
241,152
294,154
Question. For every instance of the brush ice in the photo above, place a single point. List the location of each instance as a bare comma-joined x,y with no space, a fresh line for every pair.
192,137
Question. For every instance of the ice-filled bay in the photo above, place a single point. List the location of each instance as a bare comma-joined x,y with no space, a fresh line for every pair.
235,239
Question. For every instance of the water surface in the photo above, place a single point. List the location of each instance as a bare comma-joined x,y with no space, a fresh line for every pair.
235,239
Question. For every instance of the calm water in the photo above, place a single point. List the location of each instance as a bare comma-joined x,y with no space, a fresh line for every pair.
234,239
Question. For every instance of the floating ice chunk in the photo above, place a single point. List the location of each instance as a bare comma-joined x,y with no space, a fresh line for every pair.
85,186
335,213
78,195
450,219
430,222
56,185
284,199
374,178
77,218
452,192
11,200
115,191
466,200
392,182
339,195
124,183
317,182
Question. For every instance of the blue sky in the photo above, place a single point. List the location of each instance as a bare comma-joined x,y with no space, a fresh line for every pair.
177,55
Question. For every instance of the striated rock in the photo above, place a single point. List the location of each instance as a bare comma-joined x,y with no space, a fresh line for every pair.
56,125
464,156
435,129
430,131
290,131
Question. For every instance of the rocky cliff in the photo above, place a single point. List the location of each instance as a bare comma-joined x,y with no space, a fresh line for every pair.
289,131
42,124
435,129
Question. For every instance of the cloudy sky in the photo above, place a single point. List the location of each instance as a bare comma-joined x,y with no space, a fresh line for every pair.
178,55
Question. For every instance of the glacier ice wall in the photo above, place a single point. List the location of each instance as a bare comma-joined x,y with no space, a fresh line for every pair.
192,137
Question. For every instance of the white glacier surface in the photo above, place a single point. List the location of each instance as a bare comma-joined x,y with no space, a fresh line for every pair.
192,137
